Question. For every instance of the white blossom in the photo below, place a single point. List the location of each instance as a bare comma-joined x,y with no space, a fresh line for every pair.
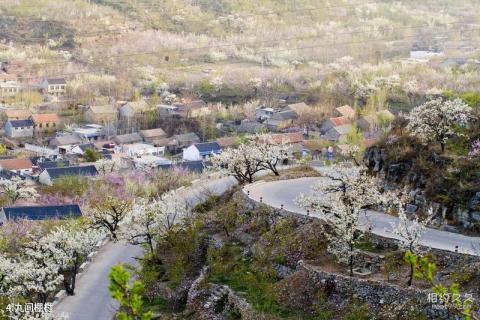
16,188
436,120
346,193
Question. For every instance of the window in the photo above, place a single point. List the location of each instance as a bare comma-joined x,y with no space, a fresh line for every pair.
40,125
46,125
54,124
63,87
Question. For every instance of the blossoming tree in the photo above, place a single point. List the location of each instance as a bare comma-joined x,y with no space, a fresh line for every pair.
346,193
15,189
150,220
436,120
410,232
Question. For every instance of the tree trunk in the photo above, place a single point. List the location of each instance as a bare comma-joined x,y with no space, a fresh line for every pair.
410,278
442,145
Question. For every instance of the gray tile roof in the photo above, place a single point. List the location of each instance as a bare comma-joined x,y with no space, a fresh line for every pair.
21,123
42,212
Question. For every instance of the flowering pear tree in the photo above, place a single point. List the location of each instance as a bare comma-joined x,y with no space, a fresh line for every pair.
15,189
272,154
242,163
71,246
436,120
108,212
410,233
346,193
150,220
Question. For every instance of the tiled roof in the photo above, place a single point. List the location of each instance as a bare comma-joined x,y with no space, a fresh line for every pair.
151,133
42,212
346,111
18,113
292,137
208,147
58,172
66,140
138,106
339,121
105,109
21,123
45,117
16,164
53,164
187,137
56,81
127,138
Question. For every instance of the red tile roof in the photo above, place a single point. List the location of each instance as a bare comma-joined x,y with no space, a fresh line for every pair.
16,164
339,121
45,118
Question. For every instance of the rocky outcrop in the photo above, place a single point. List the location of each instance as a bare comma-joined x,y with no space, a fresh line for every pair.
216,302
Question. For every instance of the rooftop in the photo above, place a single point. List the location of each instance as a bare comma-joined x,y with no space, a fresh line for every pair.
150,133
45,117
56,81
16,164
346,111
42,212
21,123
339,121
208,147
58,172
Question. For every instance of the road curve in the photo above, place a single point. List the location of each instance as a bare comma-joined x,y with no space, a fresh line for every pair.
284,192
92,300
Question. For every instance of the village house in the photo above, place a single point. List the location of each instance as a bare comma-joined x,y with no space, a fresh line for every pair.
190,109
153,135
201,151
228,142
80,149
191,166
65,142
19,128
134,150
40,212
55,87
19,166
338,132
90,132
281,119
49,175
186,139
17,114
166,110
46,122
333,122
252,127
345,111
128,138
101,114
134,108
9,88
262,113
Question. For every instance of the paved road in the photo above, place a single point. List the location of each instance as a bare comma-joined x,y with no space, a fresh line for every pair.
285,192
92,300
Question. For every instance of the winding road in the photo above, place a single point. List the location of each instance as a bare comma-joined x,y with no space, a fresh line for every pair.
92,300
285,192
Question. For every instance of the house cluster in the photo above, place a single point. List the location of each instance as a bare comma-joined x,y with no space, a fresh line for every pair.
23,124
10,86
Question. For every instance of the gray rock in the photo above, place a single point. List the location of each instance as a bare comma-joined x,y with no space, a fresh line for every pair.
475,216
282,271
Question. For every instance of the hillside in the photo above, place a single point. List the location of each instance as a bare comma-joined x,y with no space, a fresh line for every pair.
219,48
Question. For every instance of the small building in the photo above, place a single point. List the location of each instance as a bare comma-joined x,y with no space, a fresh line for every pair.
101,114
90,132
368,123
46,122
9,88
81,148
333,122
252,127
228,142
281,119
336,133
186,139
49,175
17,114
192,109
55,87
263,113
153,135
128,138
166,110
141,149
52,164
345,111
19,166
64,142
134,108
201,151
40,212
19,128
191,166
